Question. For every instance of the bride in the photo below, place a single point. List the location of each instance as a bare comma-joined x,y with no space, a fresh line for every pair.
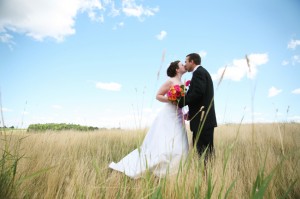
166,143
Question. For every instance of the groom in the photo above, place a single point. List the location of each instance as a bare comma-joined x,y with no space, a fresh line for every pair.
200,100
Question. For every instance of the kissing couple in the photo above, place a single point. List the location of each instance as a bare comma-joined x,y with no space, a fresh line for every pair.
166,144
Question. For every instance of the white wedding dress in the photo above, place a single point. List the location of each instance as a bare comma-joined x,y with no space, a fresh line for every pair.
164,147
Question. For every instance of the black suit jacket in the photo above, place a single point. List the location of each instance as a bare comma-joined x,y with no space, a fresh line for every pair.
200,93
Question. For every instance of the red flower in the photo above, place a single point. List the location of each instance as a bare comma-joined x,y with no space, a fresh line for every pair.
187,83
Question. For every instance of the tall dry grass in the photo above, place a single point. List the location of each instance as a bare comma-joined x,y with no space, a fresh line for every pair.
75,165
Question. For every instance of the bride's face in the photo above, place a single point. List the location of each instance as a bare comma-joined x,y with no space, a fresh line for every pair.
181,68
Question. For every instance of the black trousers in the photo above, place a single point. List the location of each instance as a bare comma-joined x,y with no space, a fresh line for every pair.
205,140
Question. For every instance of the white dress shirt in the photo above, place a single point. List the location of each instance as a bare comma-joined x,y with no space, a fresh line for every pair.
196,68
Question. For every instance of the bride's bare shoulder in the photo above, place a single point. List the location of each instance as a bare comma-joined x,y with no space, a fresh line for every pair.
169,82
174,82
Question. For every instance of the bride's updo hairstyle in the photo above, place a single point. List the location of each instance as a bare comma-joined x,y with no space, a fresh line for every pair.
171,71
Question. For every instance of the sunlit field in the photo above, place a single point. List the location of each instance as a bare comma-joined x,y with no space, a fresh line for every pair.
252,161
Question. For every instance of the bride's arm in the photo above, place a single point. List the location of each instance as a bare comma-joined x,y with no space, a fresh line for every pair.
161,93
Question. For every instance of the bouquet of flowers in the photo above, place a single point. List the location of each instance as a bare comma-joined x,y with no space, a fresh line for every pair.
175,93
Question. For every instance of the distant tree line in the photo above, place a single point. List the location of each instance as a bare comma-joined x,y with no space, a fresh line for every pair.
5,127
59,127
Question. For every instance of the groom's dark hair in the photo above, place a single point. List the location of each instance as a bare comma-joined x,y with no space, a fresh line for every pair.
195,57
171,71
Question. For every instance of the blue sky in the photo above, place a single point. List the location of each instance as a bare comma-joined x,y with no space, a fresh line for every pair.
100,63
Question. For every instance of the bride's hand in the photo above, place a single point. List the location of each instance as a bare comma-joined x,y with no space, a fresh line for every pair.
186,116
174,103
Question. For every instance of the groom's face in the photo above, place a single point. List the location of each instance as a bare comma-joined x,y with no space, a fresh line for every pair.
189,65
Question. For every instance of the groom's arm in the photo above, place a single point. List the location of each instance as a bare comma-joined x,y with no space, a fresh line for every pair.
198,84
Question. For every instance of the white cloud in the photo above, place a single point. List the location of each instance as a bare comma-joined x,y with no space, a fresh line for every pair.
53,19
239,68
161,35
6,109
7,38
119,25
114,12
296,91
293,44
94,8
202,53
295,59
284,63
39,19
274,91
130,8
109,86
295,118
258,59
93,16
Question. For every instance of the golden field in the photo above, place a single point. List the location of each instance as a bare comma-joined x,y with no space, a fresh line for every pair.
252,161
